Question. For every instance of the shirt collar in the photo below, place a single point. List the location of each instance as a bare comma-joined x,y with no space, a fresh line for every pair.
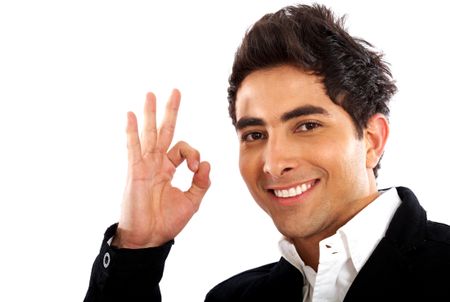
364,231
360,235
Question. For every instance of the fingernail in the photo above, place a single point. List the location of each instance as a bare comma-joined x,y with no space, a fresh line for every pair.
195,165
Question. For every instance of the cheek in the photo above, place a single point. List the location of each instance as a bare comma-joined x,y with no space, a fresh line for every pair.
340,158
251,170
246,166
349,164
250,167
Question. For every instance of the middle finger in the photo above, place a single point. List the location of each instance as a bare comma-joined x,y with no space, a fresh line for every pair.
167,129
149,133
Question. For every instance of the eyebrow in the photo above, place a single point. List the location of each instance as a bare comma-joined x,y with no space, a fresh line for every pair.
249,121
297,112
302,111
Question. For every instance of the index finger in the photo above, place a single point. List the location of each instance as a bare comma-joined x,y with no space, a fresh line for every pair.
167,129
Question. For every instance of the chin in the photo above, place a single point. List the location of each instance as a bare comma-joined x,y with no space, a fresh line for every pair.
287,229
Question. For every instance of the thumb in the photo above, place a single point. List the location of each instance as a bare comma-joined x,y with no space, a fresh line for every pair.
200,183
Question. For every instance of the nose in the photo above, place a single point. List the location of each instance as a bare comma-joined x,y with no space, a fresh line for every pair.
279,158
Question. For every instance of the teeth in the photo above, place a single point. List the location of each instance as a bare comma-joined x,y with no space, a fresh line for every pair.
304,187
298,190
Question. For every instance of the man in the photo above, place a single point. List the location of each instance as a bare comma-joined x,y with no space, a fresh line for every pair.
310,106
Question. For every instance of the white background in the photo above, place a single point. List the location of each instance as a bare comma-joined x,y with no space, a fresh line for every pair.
69,72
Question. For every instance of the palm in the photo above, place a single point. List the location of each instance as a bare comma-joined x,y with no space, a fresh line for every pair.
153,210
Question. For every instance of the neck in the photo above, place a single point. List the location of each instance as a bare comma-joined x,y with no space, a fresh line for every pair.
308,250
308,247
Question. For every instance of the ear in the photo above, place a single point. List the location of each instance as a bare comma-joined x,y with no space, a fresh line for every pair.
376,135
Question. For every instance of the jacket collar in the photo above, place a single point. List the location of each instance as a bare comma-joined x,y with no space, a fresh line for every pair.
387,273
387,269
408,225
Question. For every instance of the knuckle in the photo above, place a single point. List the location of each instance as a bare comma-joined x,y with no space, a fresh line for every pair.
151,130
168,128
157,150
132,144
181,144
195,154
190,151
185,150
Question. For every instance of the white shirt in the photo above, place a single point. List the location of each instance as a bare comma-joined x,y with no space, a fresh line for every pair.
343,255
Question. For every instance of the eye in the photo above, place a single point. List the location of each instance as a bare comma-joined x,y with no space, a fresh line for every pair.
307,126
252,136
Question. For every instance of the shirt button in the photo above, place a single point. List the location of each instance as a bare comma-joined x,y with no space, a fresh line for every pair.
106,260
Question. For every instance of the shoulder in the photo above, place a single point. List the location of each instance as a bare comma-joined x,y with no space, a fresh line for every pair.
433,250
269,282
424,244
430,261
427,240
438,234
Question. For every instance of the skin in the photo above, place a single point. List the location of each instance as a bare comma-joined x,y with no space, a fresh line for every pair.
153,211
291,133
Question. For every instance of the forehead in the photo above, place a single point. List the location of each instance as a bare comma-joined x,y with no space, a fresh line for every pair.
268,93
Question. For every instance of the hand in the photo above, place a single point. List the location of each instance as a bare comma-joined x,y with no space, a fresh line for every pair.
153,211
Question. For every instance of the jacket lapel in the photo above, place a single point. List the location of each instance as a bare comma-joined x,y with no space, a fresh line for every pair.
386,276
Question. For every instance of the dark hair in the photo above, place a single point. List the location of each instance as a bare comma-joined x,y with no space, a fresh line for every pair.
313,39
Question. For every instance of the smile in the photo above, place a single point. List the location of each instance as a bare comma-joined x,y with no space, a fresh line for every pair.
294,191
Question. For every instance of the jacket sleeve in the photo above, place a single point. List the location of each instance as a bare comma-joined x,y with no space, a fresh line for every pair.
126,274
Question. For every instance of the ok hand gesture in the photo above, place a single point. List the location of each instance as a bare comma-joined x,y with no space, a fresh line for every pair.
153,211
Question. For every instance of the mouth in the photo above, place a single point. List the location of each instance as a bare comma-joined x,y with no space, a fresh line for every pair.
293,192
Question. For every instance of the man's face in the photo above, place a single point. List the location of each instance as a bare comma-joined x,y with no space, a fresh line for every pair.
299,153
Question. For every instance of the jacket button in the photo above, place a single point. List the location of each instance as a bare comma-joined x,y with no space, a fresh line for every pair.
106,260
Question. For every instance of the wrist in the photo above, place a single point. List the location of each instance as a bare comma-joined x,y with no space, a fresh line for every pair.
123,240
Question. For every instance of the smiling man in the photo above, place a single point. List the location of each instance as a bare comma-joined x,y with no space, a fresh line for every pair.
310,107
301,156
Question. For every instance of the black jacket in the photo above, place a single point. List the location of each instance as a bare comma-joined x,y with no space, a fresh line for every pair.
411,263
